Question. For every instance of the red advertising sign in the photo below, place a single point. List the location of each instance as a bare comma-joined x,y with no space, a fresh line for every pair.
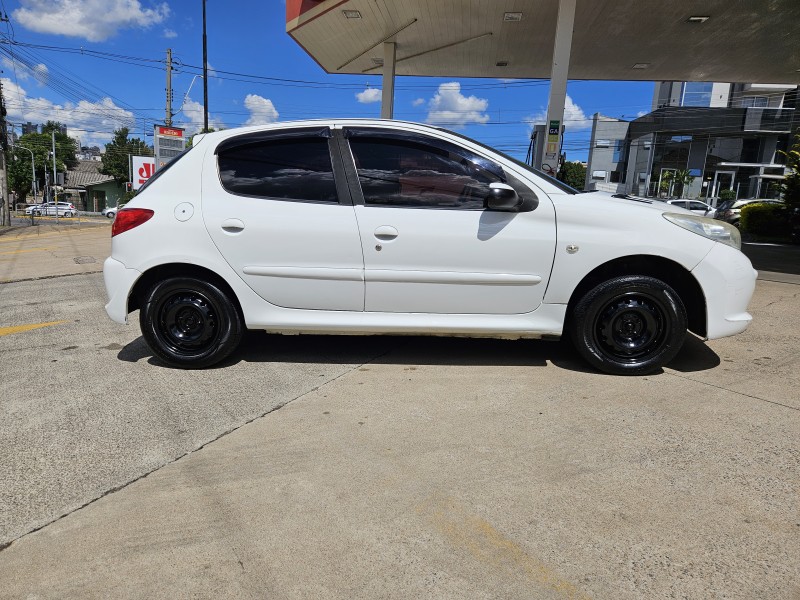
170,131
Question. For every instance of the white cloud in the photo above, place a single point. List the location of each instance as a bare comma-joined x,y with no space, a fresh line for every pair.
21,72
369,95
262,111
418,102
170,34
93,123
574,117
93,20
450,107
192,119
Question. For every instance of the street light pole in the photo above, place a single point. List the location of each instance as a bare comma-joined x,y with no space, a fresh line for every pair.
55,195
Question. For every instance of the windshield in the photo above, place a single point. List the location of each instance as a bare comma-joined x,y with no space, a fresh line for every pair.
552,180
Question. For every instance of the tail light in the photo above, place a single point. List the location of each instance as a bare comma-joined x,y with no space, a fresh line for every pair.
128,218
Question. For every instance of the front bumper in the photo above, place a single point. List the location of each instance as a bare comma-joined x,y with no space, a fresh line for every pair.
728,281
119,281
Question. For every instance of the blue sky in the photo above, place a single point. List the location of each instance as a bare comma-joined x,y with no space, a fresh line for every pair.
97,65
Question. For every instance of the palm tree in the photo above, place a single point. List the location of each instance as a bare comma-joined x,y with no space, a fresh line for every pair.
681,177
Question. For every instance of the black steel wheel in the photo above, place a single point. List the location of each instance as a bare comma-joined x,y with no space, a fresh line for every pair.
630,325
190,323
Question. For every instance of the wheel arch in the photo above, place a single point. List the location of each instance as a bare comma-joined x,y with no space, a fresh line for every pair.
668,271
165,271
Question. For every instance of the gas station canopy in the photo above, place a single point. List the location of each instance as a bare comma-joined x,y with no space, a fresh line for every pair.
754,41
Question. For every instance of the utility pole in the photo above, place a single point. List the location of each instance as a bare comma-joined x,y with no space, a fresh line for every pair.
168,120
205,72
5,207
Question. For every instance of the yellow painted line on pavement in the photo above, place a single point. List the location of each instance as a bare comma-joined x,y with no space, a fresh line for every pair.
469,532
23,328
24,251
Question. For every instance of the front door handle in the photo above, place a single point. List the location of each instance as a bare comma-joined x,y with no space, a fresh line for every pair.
232,226
386,233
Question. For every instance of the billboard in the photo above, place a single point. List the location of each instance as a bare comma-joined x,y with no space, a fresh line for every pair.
143,168
168,142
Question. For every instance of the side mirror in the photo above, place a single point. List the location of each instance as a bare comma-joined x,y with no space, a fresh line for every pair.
502,197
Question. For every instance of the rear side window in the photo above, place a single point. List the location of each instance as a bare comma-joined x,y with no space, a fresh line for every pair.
298,169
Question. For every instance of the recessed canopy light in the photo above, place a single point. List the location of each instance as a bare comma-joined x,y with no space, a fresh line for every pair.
641,65
697,19
512,16
501,63
378,62
351,14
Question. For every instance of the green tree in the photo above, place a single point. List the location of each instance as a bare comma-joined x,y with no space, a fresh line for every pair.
18,158
573,174
791,183
680,177
115,160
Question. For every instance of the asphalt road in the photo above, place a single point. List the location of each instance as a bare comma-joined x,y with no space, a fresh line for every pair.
386,467
775,258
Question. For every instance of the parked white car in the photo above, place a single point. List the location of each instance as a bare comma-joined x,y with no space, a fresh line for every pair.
695,206
111,211
64,209
386,227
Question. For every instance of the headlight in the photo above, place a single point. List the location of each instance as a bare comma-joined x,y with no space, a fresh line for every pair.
719,231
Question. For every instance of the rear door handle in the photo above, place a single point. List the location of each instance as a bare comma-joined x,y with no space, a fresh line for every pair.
232,226
386,233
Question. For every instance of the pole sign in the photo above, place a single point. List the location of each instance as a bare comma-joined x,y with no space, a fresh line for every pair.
143,169
168,142
553,133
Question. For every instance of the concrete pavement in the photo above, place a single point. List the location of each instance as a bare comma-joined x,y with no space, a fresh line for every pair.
394,467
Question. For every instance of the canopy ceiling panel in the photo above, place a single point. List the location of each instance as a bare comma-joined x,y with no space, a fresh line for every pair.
742,40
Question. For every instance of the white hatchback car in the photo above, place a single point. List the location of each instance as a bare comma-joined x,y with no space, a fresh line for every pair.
386,227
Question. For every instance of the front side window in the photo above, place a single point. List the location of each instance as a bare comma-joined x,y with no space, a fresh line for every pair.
297,169
397,172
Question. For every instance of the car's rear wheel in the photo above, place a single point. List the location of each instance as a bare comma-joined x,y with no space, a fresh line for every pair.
68,214
190,323
629,325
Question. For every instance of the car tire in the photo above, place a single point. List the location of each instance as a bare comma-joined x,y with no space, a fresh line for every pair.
629,325
110,215
190,323
68,214
37,213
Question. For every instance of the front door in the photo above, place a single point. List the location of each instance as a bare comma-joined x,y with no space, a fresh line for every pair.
429,245
272,207
723,180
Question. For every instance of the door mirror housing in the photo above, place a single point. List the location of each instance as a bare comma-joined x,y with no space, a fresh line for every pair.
502,197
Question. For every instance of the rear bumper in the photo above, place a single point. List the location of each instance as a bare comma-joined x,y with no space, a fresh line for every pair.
118,280
728,281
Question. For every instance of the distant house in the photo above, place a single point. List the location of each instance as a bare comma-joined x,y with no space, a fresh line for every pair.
90,190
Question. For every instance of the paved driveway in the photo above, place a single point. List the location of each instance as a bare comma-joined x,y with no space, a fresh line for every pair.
364,467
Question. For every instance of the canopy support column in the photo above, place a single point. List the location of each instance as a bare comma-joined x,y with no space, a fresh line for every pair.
558,85
387,96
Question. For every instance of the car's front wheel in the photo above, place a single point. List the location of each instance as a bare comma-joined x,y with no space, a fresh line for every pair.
190,323
629,325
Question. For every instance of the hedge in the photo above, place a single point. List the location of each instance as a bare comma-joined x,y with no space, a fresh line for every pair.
765,219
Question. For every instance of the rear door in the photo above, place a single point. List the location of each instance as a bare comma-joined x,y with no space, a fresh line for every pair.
281,216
